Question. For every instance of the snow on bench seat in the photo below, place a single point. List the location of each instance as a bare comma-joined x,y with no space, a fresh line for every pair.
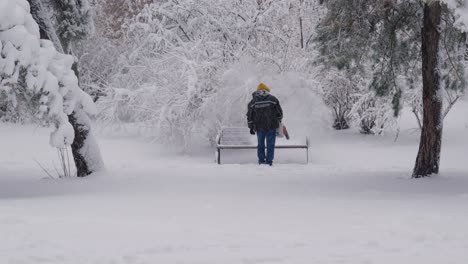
240,138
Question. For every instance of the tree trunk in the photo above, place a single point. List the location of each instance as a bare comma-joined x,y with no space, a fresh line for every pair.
85,150
340,123
46,28
302,32
81,132
427,161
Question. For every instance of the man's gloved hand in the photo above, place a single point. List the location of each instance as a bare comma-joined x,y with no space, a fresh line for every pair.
252,131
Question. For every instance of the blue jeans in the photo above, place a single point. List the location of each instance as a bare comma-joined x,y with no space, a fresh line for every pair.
270,137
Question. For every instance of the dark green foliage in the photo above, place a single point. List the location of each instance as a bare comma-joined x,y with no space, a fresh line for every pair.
73,22
343,35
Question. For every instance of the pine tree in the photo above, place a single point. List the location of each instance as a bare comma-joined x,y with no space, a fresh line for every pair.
74,23
34,73
397,42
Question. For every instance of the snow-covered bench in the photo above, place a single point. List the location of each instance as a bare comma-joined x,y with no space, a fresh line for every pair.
240,138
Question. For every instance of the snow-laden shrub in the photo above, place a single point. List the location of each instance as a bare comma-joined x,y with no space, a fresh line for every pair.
173,67
352,103
340,95
373,114
32,70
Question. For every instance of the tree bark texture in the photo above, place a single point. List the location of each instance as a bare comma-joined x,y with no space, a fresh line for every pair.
46,29
81,133
428,159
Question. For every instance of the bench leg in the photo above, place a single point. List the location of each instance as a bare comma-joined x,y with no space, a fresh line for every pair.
219,156
307,150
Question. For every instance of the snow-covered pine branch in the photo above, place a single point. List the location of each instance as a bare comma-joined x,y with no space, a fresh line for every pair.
33,66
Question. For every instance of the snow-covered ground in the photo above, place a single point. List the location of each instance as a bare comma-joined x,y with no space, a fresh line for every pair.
354,203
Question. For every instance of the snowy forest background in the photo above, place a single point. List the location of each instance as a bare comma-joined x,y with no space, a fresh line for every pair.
132,94
178,71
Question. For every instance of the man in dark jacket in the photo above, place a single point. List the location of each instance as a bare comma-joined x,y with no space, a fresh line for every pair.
264,116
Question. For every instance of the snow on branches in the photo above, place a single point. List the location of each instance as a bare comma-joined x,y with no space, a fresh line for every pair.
460,8
175,56
31,66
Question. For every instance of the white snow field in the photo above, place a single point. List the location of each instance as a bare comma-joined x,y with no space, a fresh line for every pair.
354,203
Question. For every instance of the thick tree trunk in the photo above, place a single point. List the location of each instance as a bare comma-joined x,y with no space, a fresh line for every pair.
85,150
427,161
81,132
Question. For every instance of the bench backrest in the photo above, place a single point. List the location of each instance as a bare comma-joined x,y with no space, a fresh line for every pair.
236,136
240,136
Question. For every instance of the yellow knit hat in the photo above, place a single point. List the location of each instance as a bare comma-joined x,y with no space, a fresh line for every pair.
263,86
